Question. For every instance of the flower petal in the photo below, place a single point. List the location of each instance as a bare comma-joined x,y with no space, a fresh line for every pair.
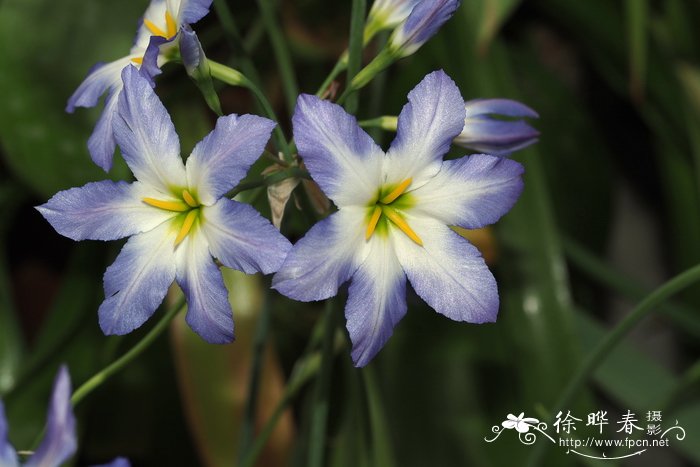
325,258
448,272
8,456
60,441
428,123
118,462
146,135
497,137
376,300
242,239
150,67
223,157
471,192
103,210
509,424
522,427
137,281
208,310
191,50
425,20
192,11
101,78
498,106
101,143
341,157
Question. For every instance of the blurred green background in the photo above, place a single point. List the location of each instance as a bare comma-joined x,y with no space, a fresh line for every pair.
610,211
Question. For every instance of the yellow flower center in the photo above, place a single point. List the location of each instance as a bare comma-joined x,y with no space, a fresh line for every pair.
170,27
388,206
187,205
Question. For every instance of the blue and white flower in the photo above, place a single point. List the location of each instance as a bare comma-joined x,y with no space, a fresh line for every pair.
176,215
424,20
495,126
394,213
387,14
153,47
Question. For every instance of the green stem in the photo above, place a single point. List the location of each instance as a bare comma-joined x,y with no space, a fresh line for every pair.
357,26
607,344
321,402
269,180
279,46
340,66
260,340
234,78
97,380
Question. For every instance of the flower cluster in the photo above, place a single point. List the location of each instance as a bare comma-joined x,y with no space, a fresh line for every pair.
395,210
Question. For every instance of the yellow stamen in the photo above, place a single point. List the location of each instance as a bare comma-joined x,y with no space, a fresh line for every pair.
177,206
186,226
170,25
373,222
398,191
137,60
399,222
155,30
189,199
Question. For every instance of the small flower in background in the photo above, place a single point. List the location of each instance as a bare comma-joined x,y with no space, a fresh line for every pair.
498,136
521,424
59,442
176,215
161,23
421,24
387,14
394,213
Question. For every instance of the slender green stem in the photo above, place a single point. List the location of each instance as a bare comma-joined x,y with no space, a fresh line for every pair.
340,66
605,346
234,78
269,180
306,367
97,380
321,402
279,46
259,343
357,26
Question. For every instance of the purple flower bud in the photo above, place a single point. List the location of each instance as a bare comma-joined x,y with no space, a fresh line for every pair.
425,20
498,136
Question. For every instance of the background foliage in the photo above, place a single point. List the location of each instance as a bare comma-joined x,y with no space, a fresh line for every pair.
610,211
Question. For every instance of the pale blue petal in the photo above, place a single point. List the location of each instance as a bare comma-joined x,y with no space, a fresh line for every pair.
499,106
101,143
426,18
471,192
242,239
8,456
223,157
190,49
146,135
59,442
341,157
428,123
149,67
192,11
324,258
376,300
100,79
118,462
448,272
208,309
136,283
103,210
497,137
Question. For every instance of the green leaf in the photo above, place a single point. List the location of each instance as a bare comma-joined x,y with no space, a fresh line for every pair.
43,62
637,20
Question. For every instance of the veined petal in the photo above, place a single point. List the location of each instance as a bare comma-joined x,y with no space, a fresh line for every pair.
136,283
101,143
428,123
498,106
341,157
497,137
60,441
155,13
100,79
147,136
208,310
471,192
103,210
150,66
425,20
223,157
118,462
242,239
8,456
325,258
192,11
376,300
448,272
